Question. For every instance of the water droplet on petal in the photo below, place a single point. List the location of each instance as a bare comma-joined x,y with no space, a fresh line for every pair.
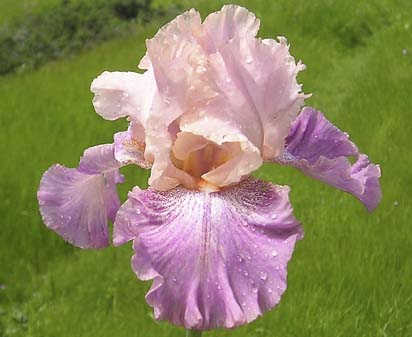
249,60
174,279
245,273
254,290
244,304
270,290
239,258
274,216
263,275
274,253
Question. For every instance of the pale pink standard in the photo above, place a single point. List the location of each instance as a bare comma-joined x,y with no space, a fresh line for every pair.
213,103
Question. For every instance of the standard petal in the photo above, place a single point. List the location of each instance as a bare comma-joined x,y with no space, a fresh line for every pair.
320,150
257,77
216,259
121,94
77,202
219,70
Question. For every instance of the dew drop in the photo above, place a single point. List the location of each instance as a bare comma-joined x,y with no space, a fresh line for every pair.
228,80
254,290
245,273
270,290
239,258
244,304
263,275
174,279
274,216
249,60
274,253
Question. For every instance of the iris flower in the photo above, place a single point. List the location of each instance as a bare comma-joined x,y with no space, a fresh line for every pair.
211,106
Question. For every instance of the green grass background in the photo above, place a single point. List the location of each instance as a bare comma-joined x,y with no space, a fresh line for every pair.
352,273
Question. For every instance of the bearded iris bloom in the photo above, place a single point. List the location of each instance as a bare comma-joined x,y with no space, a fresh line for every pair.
213,103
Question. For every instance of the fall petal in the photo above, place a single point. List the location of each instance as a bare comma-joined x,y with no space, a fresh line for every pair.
77,203
320,150
216,259
129,146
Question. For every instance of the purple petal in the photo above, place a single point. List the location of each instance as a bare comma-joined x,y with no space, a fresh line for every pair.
320,150
76,203
216,259
129,147
98,159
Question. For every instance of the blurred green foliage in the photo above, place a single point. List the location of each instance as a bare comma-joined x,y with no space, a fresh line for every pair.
60,29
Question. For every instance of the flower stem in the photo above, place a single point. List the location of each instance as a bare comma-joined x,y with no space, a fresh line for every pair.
193,333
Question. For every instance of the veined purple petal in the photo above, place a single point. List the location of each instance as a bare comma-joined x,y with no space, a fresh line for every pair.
320,150
129,146
98,159
216,259
76,203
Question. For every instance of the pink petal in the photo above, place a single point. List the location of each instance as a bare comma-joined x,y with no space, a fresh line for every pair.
258,77
76,203
320,150
219,71
216,259
121,94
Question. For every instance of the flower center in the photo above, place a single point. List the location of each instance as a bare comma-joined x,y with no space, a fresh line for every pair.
197,156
